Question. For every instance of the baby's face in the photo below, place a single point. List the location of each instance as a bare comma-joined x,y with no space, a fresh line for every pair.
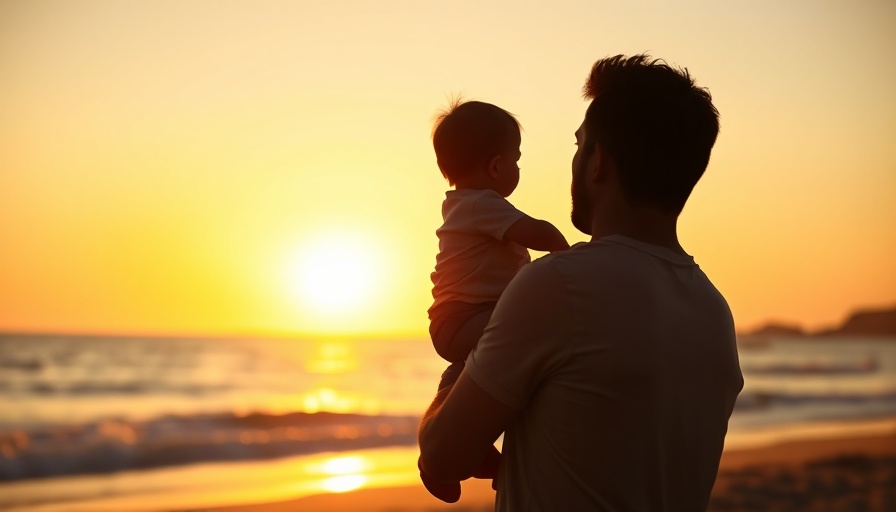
508,168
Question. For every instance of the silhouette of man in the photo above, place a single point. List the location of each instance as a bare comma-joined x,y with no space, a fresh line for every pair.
612,366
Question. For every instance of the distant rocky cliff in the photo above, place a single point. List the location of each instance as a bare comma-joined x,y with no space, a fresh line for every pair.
865,322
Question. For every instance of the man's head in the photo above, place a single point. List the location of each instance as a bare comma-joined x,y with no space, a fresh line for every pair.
467,135
655,125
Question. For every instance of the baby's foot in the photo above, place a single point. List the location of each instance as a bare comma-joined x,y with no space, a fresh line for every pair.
445,490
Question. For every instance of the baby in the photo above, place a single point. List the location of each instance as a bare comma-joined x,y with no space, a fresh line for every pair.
483,240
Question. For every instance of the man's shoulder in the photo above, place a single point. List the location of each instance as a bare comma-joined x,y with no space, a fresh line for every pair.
538,279
616,251
593,255
549,264
552,273
598,265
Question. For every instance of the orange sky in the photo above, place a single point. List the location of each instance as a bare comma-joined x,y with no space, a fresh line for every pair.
177,166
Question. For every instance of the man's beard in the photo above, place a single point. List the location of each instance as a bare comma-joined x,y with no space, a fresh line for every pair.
581,203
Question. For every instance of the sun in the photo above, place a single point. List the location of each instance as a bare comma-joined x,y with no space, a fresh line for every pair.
334,273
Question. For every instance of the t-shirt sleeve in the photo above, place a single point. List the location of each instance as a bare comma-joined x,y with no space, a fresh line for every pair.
526,338
493,215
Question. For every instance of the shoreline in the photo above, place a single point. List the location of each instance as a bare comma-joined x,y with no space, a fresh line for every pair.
861,466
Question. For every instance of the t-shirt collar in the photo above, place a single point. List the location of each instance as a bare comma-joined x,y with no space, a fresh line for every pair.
655,250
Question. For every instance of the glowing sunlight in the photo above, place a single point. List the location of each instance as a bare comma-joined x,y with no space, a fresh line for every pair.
347,473
334,273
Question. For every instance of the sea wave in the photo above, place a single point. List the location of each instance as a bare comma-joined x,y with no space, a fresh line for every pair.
117,445
92,388
759,400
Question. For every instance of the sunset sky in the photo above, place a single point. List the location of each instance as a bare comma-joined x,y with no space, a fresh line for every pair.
200,167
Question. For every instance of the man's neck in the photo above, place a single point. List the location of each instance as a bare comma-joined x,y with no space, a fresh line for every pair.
645,224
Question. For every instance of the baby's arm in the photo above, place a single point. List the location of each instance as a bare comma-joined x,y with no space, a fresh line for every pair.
536,234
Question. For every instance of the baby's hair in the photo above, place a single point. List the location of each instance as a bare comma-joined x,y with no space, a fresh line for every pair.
468,133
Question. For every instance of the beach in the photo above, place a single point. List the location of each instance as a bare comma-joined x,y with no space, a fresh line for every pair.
853,472
95,424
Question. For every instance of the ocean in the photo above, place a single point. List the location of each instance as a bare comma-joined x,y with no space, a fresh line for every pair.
106,423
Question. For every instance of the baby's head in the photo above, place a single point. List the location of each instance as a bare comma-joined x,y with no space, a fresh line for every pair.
478,143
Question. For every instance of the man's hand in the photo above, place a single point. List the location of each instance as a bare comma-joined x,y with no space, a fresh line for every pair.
490,467
446,490
458,431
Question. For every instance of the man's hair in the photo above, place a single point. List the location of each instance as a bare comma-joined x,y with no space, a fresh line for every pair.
654,123
468,134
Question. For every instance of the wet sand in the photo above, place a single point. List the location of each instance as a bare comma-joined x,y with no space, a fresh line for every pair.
848,474
856,473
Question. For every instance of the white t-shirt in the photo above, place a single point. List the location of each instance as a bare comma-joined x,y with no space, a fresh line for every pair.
620,357
474,263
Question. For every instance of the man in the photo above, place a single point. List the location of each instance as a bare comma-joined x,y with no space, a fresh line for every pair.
612,366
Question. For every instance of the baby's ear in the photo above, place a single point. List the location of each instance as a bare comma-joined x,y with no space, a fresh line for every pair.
493,166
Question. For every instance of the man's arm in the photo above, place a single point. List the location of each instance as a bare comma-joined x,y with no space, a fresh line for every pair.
458,429
536,234
531,319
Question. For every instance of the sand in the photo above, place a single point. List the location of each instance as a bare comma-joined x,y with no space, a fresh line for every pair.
850,474
856,473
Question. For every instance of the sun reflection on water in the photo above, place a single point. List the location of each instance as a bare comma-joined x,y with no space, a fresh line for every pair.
345,465
344,483
332,357
348,473
328,399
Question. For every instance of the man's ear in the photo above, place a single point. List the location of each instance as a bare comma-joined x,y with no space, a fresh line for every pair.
493,166
599,164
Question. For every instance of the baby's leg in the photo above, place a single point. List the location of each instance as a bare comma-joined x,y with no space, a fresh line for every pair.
467,336
454,337
459,332
461,344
